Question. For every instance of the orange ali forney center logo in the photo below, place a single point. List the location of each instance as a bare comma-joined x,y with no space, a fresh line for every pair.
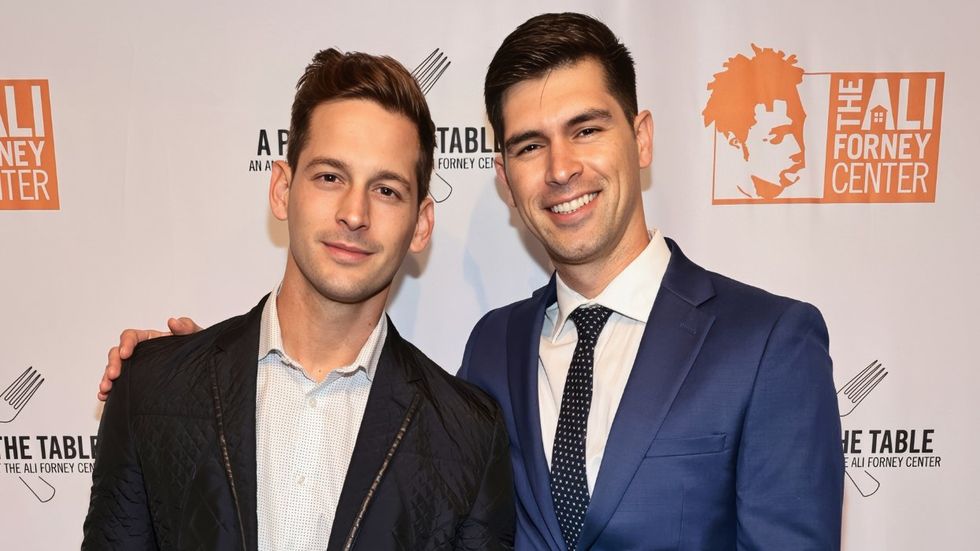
874,137
756,107
28,176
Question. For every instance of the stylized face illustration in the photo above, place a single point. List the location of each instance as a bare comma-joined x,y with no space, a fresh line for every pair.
755,104
774,150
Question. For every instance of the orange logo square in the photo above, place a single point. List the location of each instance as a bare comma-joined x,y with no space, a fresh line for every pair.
883,131
28,176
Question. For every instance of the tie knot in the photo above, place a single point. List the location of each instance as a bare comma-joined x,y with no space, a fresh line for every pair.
589,320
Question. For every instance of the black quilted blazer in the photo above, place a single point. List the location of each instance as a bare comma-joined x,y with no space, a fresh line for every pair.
175,467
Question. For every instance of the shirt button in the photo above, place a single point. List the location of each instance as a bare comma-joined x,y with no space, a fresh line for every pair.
300,480
312,402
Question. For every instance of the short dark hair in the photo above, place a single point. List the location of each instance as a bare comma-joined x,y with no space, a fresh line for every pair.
552,40
334,75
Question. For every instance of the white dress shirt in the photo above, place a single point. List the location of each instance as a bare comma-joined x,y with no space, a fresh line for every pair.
305,434
630,296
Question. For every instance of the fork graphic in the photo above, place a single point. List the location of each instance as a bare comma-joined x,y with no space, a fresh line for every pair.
16,396
430,70
42,494
858,388
866,484
848,398
427,74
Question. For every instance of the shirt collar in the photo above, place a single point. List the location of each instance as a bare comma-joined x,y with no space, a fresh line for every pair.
270,341
631,293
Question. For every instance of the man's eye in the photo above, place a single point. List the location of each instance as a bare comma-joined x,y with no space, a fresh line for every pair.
777,134
388,192
588,131
328,178
528,148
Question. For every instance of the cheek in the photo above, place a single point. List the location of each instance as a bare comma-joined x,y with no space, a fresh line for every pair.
610,159
518,189
308,221
395,225
522,199
523,175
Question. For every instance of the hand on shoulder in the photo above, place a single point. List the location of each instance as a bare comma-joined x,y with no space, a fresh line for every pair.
128,340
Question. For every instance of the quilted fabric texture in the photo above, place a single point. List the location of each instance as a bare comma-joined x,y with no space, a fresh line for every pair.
175,467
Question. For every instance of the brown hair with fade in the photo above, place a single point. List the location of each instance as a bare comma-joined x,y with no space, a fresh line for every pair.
333,75
552,40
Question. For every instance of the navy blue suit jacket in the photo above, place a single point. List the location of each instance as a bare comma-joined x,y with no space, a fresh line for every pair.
727,435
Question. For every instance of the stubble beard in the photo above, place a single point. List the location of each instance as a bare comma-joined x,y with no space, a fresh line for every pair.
342,289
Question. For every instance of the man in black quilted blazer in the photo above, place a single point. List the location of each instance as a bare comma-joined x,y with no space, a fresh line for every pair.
309,423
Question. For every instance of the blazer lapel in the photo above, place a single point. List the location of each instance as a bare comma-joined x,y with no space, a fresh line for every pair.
523,340
672,339
391,394
235,371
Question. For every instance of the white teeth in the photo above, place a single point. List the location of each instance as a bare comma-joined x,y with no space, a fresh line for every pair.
574,204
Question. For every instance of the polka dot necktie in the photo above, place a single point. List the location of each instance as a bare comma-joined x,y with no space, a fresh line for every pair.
569,486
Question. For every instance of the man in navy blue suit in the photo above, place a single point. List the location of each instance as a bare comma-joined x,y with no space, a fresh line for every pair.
650,404
694,412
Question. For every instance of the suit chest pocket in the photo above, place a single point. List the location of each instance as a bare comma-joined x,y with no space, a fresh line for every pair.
698,445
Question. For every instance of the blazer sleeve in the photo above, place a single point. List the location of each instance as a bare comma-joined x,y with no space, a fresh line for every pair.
790,466
490,524
118,514
471,344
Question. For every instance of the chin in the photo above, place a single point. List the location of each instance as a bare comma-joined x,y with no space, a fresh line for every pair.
353,293
578,253
788,180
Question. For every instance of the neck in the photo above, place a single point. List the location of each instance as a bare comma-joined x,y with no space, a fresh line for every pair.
319,333
764,188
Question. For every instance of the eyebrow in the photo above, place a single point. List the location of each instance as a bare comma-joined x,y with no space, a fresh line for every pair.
586,116
342,166
522,137
329,161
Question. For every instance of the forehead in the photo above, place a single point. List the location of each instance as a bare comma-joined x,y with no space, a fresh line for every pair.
362,132
556,96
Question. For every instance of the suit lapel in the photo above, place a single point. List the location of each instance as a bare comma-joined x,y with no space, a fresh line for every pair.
391,394
523,341
235,371
672,339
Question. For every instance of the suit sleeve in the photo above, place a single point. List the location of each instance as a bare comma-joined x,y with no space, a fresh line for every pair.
490,524
118,514
790,470
471,343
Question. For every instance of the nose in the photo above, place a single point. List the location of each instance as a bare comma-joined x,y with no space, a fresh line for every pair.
798,156
563,163
353,209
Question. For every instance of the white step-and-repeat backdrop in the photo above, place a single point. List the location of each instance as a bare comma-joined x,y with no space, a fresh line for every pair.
136,140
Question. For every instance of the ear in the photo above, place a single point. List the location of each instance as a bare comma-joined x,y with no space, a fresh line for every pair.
732,140
279,189
501,169
423,225
737,144
643,129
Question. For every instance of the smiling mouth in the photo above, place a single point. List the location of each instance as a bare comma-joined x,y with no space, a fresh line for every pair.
569,207
345,252
788,179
